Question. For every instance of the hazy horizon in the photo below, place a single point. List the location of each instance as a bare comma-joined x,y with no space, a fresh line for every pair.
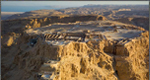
24,6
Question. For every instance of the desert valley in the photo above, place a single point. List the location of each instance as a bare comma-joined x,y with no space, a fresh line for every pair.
92,42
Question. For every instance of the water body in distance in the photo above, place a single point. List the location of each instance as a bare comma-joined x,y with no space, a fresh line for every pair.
26,8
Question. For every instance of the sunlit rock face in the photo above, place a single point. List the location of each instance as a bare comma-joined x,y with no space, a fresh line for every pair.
82,48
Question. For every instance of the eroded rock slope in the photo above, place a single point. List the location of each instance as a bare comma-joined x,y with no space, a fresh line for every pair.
92,50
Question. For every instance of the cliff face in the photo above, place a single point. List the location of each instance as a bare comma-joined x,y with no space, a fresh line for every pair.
103,59
130,55
109,51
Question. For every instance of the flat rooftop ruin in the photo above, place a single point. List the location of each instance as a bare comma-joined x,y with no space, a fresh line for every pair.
62,33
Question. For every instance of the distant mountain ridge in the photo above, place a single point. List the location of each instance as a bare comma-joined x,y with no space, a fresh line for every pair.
110,11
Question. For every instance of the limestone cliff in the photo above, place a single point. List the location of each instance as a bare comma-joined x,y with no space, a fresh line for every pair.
87,50
102,60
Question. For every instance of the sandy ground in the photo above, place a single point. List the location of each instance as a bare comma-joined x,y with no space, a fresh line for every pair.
5,15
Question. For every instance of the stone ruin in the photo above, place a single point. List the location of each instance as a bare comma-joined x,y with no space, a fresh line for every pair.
79,37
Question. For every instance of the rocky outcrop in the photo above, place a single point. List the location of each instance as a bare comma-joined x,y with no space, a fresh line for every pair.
29,56
103,59
132,59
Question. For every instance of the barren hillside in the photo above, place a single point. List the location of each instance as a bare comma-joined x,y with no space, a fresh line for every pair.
140,13
139,21
73,47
